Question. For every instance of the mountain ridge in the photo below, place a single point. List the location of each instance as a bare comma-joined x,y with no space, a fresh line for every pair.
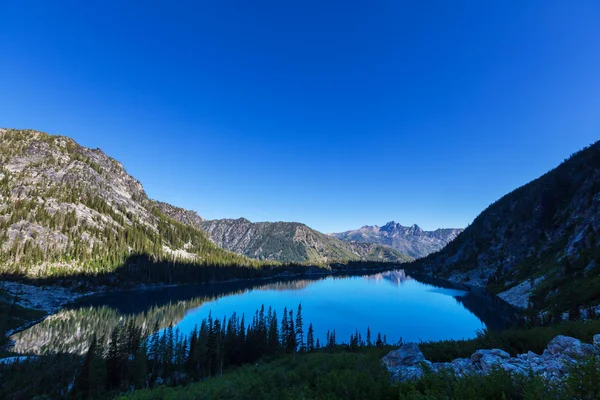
538,246
290,242
411,240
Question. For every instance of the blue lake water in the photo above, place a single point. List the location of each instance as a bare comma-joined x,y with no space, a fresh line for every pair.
392,303
408,309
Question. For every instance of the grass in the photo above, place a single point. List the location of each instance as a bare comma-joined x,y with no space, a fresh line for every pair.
361,376
310,376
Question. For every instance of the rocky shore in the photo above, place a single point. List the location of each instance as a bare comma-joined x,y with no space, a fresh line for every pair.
408,362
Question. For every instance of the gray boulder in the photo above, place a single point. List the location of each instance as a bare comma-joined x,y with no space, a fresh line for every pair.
407,362
408,354
500,353
571,347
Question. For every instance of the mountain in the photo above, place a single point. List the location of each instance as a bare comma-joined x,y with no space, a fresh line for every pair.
291,242
186,217
538,246
411,240
66,209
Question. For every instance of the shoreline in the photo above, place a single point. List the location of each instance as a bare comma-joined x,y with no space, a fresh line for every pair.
50,299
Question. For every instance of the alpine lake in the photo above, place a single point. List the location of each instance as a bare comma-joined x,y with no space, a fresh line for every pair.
392,303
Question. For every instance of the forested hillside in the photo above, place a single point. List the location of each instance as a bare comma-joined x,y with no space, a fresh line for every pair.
66,209
538,246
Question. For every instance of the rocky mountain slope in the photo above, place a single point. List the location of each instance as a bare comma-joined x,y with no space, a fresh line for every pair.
538,246
411,240
291,242
67,209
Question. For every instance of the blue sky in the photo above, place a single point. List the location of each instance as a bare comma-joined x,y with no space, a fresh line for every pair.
336,114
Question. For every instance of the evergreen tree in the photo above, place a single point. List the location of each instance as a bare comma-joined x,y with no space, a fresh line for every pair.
284,329
310,341
113,361
82,385
369,336
154,349
299,329
273,334
291,334
379,342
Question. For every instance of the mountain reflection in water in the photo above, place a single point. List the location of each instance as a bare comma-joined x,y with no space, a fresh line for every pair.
71,329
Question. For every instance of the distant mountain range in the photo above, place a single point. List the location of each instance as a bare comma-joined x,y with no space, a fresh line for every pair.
291,242
411,240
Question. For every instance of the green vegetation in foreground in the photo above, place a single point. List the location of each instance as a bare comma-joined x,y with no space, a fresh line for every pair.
309,376
271,358
361,376
513,341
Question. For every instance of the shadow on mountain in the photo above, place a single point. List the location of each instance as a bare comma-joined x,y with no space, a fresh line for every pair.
142,269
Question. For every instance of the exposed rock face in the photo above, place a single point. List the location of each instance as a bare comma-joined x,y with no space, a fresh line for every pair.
66,209
407,362
187,217
411,240
291,242
518,295
549,228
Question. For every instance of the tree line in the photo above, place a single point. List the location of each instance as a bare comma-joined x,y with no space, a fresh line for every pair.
137,357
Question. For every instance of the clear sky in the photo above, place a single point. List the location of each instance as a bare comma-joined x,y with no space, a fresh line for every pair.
333,113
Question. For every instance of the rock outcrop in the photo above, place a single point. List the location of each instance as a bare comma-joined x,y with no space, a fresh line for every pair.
408,362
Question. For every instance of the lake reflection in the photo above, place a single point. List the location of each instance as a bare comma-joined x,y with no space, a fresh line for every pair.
392,303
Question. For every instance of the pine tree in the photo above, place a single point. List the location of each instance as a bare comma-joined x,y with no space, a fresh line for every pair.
284,329
113,362
310,341
140,368
154,349
273,334
291,333
369,336
379,342
82,385
299,330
